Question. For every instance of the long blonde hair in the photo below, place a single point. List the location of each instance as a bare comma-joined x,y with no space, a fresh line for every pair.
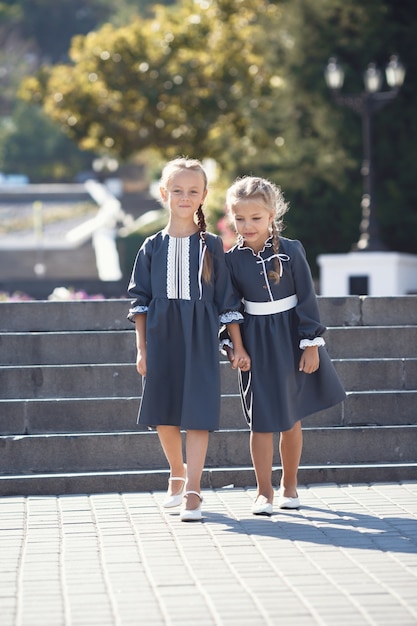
272,199
170,169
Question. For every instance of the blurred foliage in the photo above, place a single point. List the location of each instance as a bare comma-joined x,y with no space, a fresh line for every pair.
49,154
152,83
34,34
242,82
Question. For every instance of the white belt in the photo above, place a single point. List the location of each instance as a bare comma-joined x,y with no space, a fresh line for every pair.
271,307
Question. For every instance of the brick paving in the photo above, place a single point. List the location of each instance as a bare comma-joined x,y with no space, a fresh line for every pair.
348,556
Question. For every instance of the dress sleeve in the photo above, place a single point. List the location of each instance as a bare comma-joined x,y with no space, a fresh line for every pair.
227,301
140,281
307,310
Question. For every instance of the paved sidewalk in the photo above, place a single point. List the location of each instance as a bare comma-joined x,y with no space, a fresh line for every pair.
348,556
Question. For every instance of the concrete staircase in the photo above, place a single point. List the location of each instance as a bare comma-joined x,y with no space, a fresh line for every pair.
69,395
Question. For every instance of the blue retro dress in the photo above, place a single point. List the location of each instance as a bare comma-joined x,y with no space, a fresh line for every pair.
279,319
184,314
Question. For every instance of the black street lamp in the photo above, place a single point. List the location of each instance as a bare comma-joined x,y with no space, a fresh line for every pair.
366,103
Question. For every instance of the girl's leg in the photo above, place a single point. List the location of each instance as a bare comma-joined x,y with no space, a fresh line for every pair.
171,442
196,444
262,453
290,448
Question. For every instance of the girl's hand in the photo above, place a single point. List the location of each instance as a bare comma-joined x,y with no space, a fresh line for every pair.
230,353
241,360
141,362
310,360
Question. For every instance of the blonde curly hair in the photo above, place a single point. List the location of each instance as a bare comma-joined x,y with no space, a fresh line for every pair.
270,196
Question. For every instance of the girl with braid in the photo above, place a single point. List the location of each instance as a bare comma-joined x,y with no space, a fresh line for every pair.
291,373
182,293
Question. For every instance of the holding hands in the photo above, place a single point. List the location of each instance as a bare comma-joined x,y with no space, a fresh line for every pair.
238,358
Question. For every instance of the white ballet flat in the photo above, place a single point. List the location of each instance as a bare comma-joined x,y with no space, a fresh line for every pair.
262,508
288,503
171,501
191,515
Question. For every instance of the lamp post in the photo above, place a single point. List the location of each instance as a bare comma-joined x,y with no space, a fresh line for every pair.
366,103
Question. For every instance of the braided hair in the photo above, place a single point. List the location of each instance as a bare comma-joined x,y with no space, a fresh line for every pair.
272,199
201,223
170,169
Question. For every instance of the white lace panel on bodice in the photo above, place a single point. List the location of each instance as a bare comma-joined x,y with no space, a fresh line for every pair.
178,268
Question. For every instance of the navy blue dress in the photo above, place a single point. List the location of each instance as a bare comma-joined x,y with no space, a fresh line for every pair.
184,313
275,394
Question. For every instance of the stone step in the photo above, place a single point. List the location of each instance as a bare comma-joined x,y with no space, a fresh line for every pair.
106,414
121,379
377,374
69,381
72,315
66,348
110,314
107,346
58,453
368,310
359,342
69,396
212,478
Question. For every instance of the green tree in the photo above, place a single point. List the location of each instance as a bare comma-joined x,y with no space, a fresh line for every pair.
153,84
242,82
318,163
318,159
31,144
34,33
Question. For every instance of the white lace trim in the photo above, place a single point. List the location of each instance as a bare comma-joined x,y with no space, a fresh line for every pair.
178,268
230,317
241,245
306,343
135,310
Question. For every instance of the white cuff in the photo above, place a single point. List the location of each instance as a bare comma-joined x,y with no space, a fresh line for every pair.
230,317
306,343
135,311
